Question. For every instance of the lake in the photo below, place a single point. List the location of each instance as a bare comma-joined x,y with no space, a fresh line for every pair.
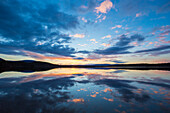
79,90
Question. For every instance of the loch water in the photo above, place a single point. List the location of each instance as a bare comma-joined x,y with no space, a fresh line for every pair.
79,90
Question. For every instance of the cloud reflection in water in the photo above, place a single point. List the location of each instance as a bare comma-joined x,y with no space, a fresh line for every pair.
80,90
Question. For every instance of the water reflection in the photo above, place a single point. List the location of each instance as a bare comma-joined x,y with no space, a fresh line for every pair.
85,90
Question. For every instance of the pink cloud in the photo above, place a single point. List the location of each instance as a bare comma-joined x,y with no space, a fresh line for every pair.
79,100
116,31
93,40
83,6
39,56
106,45
164,41
138,14
108,36
150,42
99,16
135,43
161,37
104,18
83,19
104,7
165,33
82,44
117,26
77,35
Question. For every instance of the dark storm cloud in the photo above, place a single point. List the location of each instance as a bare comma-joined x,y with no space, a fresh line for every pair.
35,26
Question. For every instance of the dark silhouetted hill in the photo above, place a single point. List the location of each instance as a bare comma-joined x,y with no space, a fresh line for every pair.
25,65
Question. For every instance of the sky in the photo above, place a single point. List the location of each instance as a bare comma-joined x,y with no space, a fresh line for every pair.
85,31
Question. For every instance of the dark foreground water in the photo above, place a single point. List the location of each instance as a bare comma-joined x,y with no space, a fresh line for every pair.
85,91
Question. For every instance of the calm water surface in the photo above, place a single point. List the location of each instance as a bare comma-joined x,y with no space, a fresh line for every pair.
85,91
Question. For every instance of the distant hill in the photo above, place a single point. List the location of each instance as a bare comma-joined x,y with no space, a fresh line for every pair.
25,65
1,59
31,65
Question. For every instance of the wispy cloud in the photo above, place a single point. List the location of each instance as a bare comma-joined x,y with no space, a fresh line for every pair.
84,20
77,35
107,36
93,40
165,33
114,50
82,44
139,14
116,26
118,61
161,48
106,45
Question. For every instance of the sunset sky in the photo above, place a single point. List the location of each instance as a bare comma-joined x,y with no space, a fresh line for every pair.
85,31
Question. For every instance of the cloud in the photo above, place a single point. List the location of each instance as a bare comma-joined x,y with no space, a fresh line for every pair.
93,40
165,33
35,26
124,40
84,52
161,48
10,51
133,7
77,35
164,41
116,31
104,7
164,29
164,8
107,36
104,18
106,45
78,6
160,37
117,26
83,19
82,44
100,18
42,57
161,53
79,58
138,14
122,46
114,50
118,61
